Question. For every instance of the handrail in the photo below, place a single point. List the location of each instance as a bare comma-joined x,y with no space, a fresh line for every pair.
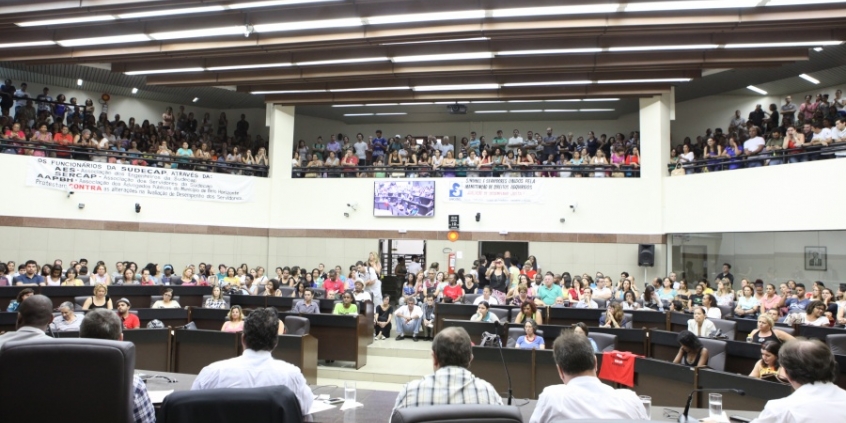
802,153
72,152
628,171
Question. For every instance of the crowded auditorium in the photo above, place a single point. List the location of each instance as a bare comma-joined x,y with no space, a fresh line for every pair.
367,211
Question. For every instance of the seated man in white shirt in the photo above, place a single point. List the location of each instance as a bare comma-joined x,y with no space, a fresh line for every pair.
583,395
809,366
256,368
409,318
602,293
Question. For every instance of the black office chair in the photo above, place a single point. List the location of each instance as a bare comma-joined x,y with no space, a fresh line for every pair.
318,292
287,291
837,343
458,413
727,327
727,311
604,341
516,332
80,301
500,313
107,368
154,298
716,353
226,299
469,298
295,325
271,404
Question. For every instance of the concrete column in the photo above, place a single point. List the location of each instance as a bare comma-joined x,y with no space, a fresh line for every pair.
655,115
281,146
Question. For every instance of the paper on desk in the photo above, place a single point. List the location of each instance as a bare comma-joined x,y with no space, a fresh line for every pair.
318,406
349,405
157,397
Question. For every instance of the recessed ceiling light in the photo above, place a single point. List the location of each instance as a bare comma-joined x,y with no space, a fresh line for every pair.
196,99
171,12
158,71
342,61
380,104
665,48
65,21
809,78
28,44
268,3
554,10
566,100
95,41
288,92
549,51
560,110
527,111
452,40
438,57
601,99
347,105
641,81
456,87
296,26
545,83
425,17
135,91
487,102
490,111
259,66
658,6
596,110
359,114
79,82
417,104
197,33
757,90
391,114
351,90
787,44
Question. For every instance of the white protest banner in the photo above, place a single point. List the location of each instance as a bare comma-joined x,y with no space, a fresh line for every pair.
495,190
110,178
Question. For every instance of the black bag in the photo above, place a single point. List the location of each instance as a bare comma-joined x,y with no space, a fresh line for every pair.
490,340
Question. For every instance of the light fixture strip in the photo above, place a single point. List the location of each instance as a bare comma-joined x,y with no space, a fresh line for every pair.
242,67
159,71
452,40
342,61
785,44
66,21
456,87
171,12
288,92
27,44
198,33
351,90
438,57
756,89
810,79
96,41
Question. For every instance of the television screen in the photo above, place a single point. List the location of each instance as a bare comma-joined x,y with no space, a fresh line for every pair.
404,198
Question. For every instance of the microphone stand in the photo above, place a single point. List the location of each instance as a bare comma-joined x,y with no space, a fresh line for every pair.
497,326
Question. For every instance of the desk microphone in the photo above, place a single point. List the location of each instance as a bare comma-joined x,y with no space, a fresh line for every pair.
683,417
497,326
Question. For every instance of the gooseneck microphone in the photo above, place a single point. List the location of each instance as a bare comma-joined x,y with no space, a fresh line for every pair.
683,417
497,326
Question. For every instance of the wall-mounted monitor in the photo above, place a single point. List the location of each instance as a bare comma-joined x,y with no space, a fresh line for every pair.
404,198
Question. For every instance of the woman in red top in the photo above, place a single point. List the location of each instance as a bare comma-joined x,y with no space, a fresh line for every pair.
42,135
14,134
575,289
454,290
63,140
350,163
633,160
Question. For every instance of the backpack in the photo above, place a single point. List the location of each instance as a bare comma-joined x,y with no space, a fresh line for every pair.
490,340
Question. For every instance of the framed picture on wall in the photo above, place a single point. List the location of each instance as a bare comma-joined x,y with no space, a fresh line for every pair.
816,258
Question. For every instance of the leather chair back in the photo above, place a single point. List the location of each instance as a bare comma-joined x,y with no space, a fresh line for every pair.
319,292
270,404
226,298
296,325
85,279
458,413
727,311
787,329
716,353
728,327
107,368
516,332
469,298
501,314
80,301
154,298
628,317
604,341
837,343
286,290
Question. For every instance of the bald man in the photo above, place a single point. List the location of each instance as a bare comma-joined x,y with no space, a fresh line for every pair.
34,315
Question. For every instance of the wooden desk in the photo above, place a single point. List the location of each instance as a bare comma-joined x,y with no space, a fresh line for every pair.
648,319
172,317
758,391
741,356
474,329
668,384
301,351
195,349
152,348
340,337
663,345
208,318
462,312
487,362
633,340
249,301
678,321
818,332
8,321
563,316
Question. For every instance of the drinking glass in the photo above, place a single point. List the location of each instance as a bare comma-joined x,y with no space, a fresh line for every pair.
647,404
715,406
349,391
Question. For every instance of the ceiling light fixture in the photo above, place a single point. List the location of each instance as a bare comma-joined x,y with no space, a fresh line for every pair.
549,51
66,21
359,114
566,100
547,83
381,104
351,90
342,61
526,111
818,49
787,44
601,99
417,104
391,114
289,92
425,17
135,91
158,71
438,57
295,26
347,105
801,2
456,87
554,10
810,79
95,41
453,40
642,81
259,66
79,82
198,33
171,12
487,102
560,110
490,111
596,110
661,6
665,48
269,3
196,99
757,90
28,44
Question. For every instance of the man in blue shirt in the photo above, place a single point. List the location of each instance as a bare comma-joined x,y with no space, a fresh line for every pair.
379,145
30,277
799,303
474,143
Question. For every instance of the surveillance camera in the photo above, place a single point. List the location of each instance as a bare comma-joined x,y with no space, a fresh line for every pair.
70,193
137,207
561,220
346,215
81,206
573,207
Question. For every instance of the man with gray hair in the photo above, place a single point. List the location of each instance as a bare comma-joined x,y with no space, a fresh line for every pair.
451,383
583,395
408,319
809,366
34,315
68,320
105,324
